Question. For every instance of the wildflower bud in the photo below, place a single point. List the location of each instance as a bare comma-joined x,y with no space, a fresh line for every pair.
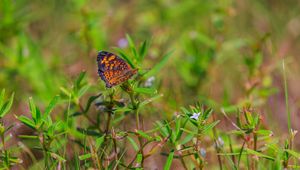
2,128
203,152
149,81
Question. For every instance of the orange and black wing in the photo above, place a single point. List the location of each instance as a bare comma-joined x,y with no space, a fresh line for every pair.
112,69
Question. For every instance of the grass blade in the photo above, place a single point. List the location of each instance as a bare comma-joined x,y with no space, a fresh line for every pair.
169,161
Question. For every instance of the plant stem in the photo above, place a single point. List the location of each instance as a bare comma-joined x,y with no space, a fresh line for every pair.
183,163
135,108
217,146
286,98
108,123
115,147
231,150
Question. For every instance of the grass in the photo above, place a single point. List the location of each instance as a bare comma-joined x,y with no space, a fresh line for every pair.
208,93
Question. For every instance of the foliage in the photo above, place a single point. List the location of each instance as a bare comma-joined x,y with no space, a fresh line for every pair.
200,100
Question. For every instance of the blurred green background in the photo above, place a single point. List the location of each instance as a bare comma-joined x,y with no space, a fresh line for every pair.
225,53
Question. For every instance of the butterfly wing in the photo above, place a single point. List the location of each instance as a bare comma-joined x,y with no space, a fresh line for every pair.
112,69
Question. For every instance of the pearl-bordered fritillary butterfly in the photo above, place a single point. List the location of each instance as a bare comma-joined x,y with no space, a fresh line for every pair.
112,69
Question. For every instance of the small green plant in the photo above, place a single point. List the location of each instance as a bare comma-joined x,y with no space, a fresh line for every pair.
7,157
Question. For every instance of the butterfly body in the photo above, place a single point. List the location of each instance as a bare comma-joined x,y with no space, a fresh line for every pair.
112,69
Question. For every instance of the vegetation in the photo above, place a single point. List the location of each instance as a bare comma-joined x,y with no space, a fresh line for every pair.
216,86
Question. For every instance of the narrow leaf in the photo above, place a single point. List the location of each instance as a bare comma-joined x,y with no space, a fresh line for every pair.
32,108
6,107
150,100
99,142
85,156
143,50
2,97
132,46
57,157
79,79
158,66
125,57
293,153
90,101
169,160
28,122
51,105
145,90
132,142
250,151
143,134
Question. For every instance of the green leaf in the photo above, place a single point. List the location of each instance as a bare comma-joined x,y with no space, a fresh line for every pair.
28,122
208,127
249,117
99,141
132,142
51,105
143,134
6,107
207,114
236,132
293,153
132,46
177,129
77,162
250,151
2,97
158,66
188,131
79,79
125,57
169,160
83,90
163,130
65,92
264,132
57,157
38,116
90,101
150,100
85,156
32,108
179,133
28,136
139,158
145,90
187,138
143,50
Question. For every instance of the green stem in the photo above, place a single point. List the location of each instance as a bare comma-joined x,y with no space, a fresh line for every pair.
135,108
286,98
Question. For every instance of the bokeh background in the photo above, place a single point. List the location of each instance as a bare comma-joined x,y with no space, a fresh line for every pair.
225,53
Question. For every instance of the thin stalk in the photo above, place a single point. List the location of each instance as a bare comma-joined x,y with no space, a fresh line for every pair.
66,135
183,163
136,109
287,107
115,147
231,150
217,147
240,155
254,148
108,123
45,151
286,98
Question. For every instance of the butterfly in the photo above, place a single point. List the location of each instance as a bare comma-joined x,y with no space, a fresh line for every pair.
112,69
